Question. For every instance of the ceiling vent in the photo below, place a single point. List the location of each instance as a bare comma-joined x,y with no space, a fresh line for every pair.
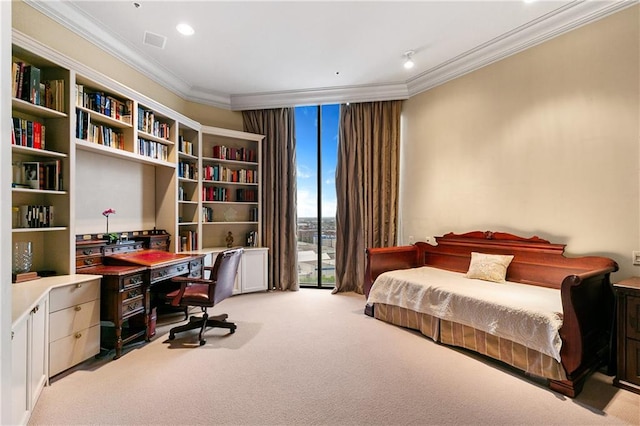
154,40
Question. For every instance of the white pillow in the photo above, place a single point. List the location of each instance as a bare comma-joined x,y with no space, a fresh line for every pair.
489,267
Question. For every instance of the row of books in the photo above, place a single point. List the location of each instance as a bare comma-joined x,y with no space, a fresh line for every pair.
219,193
147,123
185,146
221,173
27,84
104,104
105,135
45,175
31,216
247,195
153,149
188,240
187,169
207,214
182,194
237,154
252,239
28,133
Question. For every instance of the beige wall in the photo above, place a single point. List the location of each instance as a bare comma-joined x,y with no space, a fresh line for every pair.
45,30
543,143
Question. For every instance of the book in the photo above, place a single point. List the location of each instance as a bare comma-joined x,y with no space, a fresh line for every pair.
31,84
31,173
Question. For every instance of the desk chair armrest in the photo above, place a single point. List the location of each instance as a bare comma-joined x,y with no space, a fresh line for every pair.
184,283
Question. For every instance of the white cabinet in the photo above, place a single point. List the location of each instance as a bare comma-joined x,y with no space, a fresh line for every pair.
252,270
75,325
28,357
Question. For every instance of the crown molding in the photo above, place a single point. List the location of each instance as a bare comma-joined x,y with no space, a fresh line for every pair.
334,95
553,24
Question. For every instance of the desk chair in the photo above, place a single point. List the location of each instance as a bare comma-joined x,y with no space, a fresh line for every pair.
207,293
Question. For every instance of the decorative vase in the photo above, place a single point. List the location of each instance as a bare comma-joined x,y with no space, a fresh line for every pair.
22,257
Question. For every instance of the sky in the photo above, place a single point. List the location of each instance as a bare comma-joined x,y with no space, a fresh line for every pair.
307,159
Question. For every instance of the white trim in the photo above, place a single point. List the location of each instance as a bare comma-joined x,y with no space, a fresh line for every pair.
560,21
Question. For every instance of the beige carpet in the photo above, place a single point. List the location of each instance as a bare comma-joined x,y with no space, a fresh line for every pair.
313,358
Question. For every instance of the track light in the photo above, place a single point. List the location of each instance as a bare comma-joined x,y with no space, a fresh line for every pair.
408,62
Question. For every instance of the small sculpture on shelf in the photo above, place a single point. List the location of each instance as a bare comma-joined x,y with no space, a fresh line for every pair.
229,239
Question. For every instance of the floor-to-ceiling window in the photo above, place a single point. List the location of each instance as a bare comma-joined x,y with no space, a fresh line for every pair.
316,155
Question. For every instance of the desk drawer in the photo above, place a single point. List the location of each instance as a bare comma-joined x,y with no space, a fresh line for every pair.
131,282
71,320
89,251
72,295
71,350
132,306
86,261
169,272
122,248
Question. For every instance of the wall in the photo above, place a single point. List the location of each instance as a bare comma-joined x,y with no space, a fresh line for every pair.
545,142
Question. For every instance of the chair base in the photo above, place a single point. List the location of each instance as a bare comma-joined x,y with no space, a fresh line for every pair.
203,323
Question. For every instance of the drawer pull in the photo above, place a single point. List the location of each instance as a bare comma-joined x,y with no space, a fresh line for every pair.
88,261
35,309
181,268
78,308
86,252
78,335
135,280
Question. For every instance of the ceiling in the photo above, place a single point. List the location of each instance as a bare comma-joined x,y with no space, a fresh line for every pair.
262,54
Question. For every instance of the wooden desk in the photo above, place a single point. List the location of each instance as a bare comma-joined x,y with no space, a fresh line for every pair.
160,266
130,274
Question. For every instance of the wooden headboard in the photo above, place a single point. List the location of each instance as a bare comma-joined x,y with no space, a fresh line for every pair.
536,261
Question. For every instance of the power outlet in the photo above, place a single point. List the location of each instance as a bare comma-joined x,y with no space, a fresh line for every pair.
411,239
635,257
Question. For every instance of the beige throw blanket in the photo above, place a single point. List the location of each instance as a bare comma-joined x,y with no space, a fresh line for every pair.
527,314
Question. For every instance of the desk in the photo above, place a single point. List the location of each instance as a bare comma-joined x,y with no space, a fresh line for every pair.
128,279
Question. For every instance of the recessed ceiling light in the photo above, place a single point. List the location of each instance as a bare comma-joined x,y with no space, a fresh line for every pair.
408,63
136,5
185,29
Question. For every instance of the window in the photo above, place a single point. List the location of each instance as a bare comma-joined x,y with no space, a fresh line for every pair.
316,156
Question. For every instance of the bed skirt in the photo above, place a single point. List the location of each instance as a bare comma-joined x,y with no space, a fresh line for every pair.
455,334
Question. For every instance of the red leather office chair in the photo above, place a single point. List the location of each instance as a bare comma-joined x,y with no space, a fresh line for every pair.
207,293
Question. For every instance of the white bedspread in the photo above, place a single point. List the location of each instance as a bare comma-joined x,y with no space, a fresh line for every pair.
527,314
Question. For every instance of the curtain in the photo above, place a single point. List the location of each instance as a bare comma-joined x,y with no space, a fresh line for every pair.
366,186
278,192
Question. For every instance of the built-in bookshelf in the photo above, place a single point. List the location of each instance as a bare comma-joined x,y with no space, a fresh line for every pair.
230,187
188,227
40,163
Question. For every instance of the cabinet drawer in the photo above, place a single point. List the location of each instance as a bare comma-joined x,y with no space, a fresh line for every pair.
72,295
633,317
68,321
71,350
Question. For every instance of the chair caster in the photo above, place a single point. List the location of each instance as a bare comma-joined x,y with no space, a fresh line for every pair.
202,342
232,330
172,336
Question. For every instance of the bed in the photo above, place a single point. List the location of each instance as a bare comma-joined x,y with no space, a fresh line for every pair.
548,315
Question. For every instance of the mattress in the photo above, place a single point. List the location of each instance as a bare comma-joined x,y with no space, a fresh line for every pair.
528,315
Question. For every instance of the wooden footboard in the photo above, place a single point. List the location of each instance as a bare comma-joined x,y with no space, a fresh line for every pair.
584,283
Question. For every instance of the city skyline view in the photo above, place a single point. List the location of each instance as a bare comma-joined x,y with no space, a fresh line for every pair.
316,244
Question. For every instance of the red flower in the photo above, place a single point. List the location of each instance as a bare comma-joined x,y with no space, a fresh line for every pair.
108,212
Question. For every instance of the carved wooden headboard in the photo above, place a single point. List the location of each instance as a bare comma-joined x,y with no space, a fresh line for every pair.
536,261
